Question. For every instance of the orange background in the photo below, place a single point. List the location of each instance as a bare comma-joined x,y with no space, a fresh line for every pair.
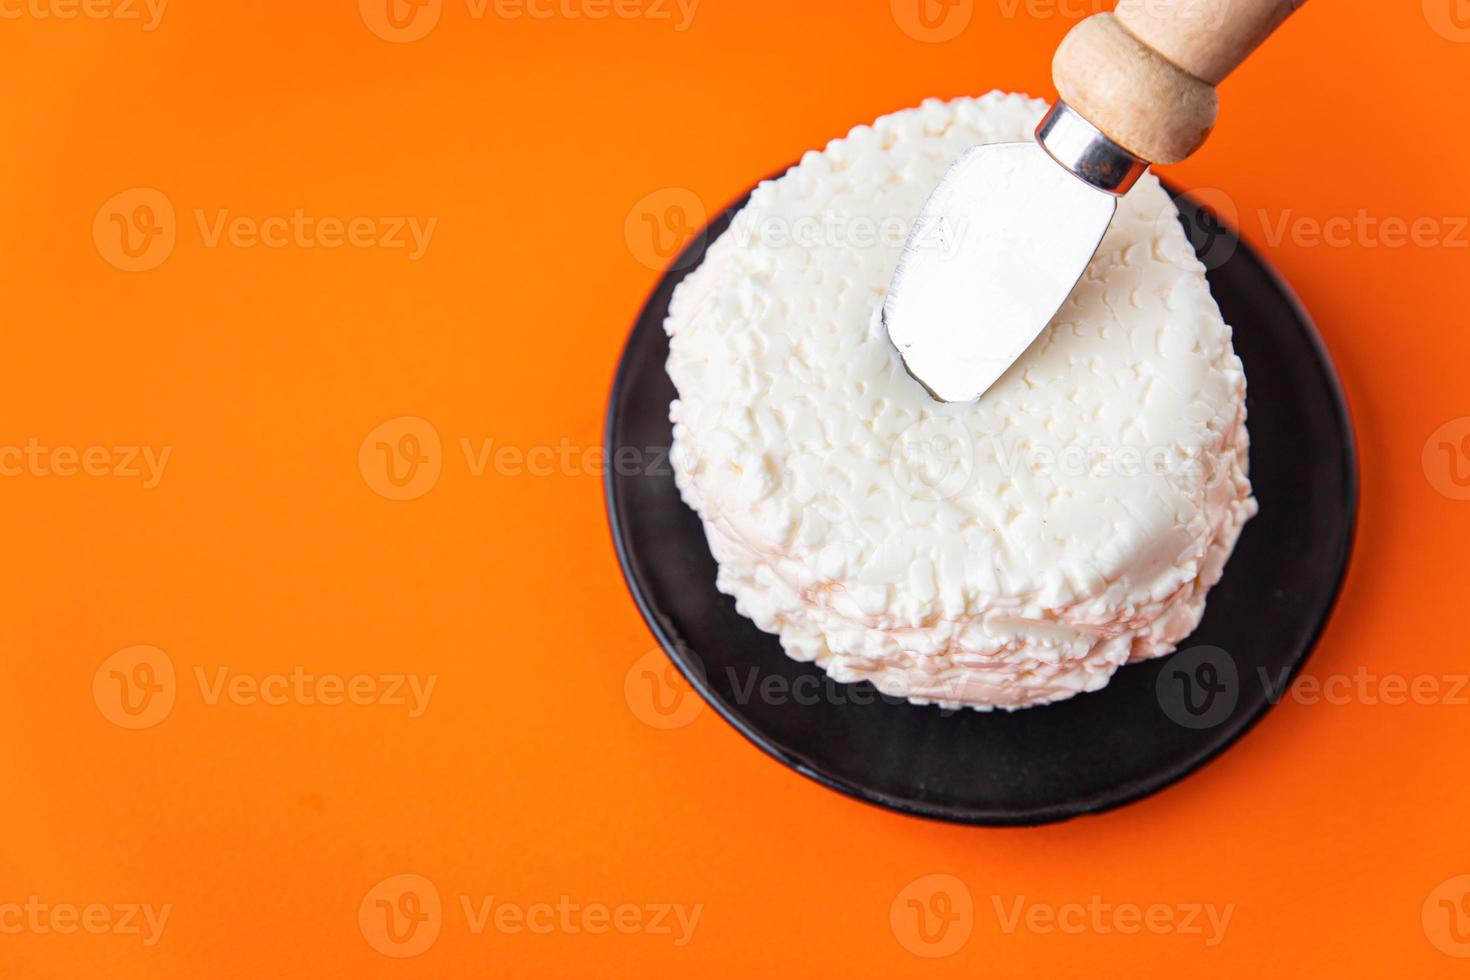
531,775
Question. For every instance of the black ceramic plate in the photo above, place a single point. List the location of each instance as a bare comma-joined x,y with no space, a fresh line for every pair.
1155,723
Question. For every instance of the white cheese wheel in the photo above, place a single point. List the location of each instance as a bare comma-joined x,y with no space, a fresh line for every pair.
1005,553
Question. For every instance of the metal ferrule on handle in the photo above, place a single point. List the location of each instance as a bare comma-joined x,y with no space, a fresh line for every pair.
1083,150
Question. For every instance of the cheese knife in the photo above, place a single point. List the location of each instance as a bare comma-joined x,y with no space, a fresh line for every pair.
1011,228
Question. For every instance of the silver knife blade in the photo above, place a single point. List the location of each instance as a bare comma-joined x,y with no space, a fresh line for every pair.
995,253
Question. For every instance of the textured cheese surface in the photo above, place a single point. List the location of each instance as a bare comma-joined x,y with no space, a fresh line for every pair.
1009,552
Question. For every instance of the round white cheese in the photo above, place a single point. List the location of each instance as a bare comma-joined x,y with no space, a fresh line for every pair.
1008,552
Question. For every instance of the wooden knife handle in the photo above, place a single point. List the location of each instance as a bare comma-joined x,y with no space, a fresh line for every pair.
1146,74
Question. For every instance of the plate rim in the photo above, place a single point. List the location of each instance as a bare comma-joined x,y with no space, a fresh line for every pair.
683,265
